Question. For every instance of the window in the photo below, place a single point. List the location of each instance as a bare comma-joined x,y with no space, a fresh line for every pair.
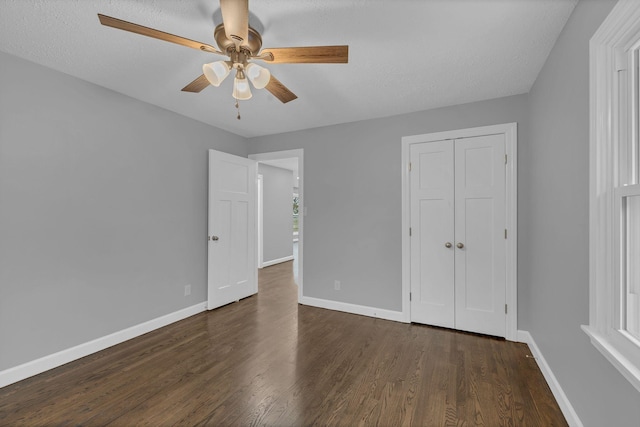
631,209
614,234
296,211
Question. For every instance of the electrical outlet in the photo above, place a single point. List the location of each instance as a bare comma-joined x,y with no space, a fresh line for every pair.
187,290
337,285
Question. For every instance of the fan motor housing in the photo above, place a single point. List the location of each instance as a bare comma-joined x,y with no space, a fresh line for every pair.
253,45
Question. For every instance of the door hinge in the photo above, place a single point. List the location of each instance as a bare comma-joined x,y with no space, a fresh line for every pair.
505,233
409,296
505,159
505,309
409,231
620,59
409,166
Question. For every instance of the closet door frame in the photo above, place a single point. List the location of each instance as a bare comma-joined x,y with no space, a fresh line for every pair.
510,131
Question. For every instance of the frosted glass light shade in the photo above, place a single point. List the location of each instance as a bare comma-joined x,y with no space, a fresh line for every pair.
216,72
241,89
258,75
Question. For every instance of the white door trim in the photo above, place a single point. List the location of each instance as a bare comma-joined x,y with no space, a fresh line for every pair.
260,233
510,130
286,154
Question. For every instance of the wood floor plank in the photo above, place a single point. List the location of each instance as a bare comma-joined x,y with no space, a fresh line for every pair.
268,361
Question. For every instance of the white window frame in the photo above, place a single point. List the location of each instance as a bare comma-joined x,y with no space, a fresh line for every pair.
610,124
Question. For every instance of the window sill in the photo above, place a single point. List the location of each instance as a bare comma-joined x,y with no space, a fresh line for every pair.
607,346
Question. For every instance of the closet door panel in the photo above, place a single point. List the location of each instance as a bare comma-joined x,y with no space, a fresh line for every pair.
480,253
432,269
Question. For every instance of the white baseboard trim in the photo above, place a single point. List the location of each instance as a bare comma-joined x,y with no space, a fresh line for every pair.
362,310
277,261
562,399
35,367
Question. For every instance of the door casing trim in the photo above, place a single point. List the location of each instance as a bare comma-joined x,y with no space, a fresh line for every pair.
510,131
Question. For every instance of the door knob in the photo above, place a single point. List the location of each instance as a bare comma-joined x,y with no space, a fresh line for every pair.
460,246
214,238
447,245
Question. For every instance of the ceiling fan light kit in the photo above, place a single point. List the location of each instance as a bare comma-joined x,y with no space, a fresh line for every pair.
241,44
258,75
216,72
241,89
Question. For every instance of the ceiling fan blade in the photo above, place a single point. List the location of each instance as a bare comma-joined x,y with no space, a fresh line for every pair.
280,91
197,85
235,16
156,34
306,55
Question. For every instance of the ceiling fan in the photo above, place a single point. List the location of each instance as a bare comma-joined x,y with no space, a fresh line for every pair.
242,45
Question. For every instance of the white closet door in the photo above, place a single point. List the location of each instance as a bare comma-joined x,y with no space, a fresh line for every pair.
480,277
432,217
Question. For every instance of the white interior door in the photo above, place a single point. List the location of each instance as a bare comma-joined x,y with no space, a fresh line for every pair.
480,265
458,251
432,227
232,229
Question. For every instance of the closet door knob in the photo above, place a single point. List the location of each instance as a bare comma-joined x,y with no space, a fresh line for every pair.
460,246
448,245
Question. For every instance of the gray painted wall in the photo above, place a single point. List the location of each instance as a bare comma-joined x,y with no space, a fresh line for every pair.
103,204
554,228
277,212
352,174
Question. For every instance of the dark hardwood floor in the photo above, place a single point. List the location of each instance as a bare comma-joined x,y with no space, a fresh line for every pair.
268,361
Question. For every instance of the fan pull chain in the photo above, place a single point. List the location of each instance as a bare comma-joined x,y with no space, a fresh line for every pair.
238,108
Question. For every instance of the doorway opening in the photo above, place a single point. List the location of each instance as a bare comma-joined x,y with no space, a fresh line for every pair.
278,164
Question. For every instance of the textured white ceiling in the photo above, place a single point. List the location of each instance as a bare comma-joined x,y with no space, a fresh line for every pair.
404,55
